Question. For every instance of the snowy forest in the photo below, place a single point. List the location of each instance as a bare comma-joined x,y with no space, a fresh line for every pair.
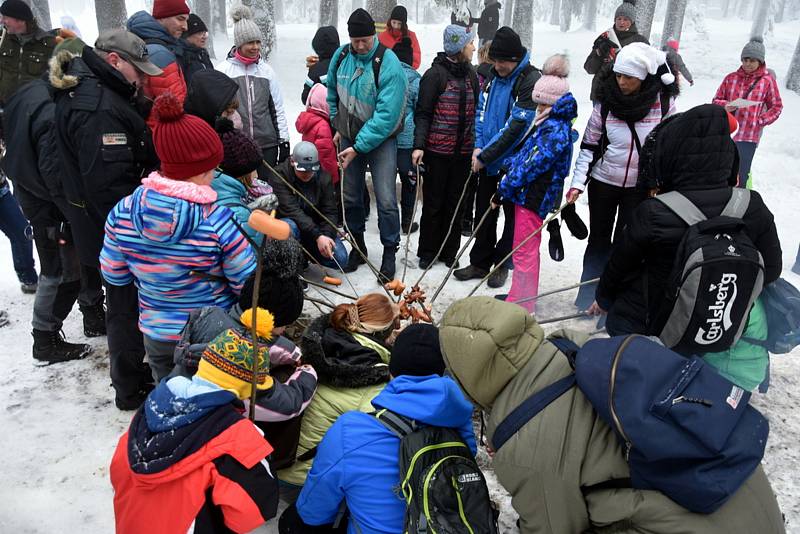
522,15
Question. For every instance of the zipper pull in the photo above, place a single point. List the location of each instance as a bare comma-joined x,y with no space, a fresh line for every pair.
628,446
694,400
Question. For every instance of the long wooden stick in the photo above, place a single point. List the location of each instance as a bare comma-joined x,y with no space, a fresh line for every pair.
408,235
559,290
254,329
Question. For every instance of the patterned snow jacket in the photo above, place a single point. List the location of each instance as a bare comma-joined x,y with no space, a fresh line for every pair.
760,86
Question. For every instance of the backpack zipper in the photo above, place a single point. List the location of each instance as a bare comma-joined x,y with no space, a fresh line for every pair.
461,513
614,416
426,483
416,457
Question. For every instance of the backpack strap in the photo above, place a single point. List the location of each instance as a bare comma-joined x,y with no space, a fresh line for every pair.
399,425
682,207
738,203
377,61
665,104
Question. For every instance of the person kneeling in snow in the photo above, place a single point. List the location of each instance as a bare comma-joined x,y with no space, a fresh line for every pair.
191,457
357,461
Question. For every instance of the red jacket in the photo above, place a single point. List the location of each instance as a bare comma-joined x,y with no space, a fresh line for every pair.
209,471
390,37
315,128
759,86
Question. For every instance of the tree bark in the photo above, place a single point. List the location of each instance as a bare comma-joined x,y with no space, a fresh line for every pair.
264,17
759,27
793,78
590,15
328,12
508,6
110,14
555,13
523,21
219,23
566,15
202,8
279,11
380,9
645,11
41,12
743,8
673,22
779,10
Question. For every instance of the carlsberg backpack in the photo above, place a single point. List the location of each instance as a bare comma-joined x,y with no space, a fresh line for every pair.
444,489
717,275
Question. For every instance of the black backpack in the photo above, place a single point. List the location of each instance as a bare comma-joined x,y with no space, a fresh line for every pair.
717,275
443,487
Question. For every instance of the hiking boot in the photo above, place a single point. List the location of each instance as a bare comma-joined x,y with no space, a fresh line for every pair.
50,347
498,278
466,227
134,401
469,272
354,259
29,289
94,320
410,229
388,267
424,263
450,263
4,320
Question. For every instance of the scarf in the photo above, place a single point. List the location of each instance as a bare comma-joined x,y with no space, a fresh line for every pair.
543,116
629,108
244,60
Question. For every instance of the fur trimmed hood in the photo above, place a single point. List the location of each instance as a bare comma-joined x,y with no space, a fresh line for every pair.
340,360
59,65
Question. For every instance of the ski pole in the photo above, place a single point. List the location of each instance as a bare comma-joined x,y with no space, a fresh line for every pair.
563,318
554,291
408,235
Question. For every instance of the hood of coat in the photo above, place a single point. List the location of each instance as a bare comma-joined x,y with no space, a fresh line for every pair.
318,99
526,59
229,190
167,211
758,73
326,350
485,343
410,72
146,27
456,69
208,94
692,151
433,400
307,120
325,42
565,108
68,69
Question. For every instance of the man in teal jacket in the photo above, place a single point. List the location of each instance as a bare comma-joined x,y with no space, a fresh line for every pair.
366,95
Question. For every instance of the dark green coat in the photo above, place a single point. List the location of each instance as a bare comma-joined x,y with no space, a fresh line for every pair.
23,58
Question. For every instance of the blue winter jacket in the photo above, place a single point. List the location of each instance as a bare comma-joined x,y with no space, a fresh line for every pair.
359,111
357,461
146,27
536,173
230,192
502,120
405,139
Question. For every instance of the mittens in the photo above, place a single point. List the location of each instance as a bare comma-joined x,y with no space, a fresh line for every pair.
556,245
266,203
573,221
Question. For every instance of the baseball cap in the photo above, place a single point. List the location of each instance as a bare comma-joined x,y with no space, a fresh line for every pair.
130,47
305,157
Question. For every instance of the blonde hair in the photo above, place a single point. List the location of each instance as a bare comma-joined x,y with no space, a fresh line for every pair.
374,312
483,52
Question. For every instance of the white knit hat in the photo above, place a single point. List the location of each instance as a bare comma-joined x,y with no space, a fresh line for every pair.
639,60
244,29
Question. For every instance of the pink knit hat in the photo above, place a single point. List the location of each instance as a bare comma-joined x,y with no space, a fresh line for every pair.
553,83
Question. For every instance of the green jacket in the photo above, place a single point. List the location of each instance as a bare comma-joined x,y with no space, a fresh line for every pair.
345,384
497,353
23,58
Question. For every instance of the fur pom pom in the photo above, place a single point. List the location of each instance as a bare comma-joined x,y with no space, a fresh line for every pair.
168,108
556,65
241,12
264,322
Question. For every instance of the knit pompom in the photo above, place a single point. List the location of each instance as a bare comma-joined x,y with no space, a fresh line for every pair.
556,65
283,258
241,12
264,322
224,125
168,108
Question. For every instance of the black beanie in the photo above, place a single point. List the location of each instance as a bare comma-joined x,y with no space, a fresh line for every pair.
399,13
360,24
241,154
281,291
195,25
403,51
416,352
506,46
16,9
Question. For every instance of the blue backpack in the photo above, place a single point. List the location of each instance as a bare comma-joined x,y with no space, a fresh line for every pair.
685,430
781,302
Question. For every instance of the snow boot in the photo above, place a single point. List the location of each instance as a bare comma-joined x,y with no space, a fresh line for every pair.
94,320
498,278
355,259
388,267
50,347
469,272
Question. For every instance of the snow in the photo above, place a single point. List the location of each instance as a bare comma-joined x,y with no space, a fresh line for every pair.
59,424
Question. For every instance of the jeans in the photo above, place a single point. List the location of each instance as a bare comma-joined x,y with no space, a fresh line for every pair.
408,185
488,250
129,373
383,165
746,152
14,224
310,244
161,356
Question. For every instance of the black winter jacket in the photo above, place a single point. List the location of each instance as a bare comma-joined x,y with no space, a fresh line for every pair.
31,159
208,95
290,206
692,154
195,59
103,142
489,22
605,49
325,43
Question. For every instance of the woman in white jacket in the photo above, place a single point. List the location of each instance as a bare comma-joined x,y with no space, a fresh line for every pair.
631,102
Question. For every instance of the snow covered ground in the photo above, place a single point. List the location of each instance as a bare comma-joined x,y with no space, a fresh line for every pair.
59,424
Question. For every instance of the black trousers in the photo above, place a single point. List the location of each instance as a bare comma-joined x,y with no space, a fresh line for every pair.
444,181
291,523
610,208
469,200
487,250
129,372
408,185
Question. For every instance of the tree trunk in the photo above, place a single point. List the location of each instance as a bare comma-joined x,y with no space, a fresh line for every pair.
779,10
202,8
523,21
793,78
219,23
743,8
328,12
508,6
566,15
41,12
279,11
590,15
110,14
726,6
380,10
673,22
264,17
759,26
645,11
555,14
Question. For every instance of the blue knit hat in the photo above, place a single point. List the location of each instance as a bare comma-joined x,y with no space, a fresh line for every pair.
456,38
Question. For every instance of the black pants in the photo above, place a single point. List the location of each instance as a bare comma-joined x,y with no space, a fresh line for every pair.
270,155
468,214
610,208
408,185
444,181
129,373
487,250
291,523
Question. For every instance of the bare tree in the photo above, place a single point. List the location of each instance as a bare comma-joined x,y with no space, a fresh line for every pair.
110,14
590,15
780,8
219,19
673,22
645,11
726,7
523,21
759,27
328,12
279,11
202,8
264,17
41,12
565,17
743,8
555,13
508,5
793,78
380,9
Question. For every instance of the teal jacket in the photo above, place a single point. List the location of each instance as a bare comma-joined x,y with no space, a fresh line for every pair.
405,139
230,192
359,111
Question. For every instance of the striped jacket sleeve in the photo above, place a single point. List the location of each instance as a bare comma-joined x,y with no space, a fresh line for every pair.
237,257
113,263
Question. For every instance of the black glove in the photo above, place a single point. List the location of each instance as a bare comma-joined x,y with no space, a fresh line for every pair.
283,151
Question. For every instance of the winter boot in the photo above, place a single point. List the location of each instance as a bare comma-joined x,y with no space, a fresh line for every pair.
469,272
409,228
355,259
134,401
498,278
388,268
94,320
50,347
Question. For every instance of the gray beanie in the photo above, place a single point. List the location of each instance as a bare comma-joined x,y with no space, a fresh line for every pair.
755,49
626,10
244,29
